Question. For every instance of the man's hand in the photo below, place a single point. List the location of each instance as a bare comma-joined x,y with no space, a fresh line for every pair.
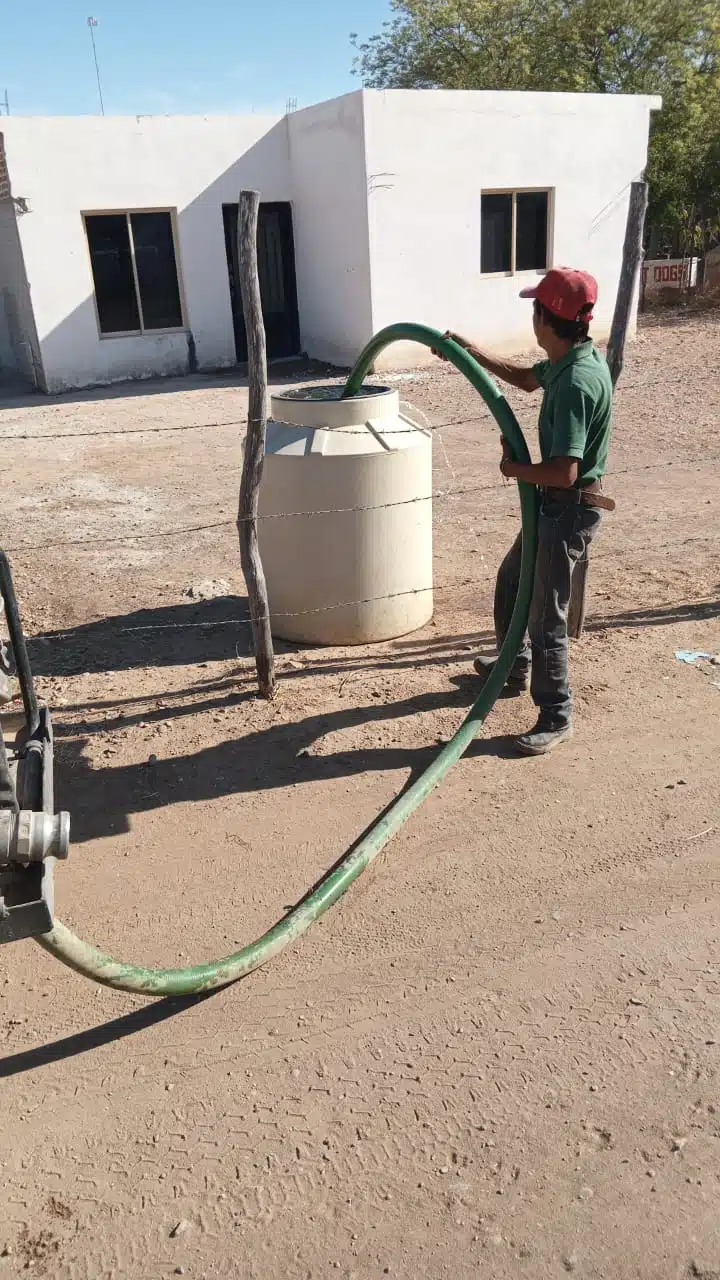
506,456
458,338
465,343
523,379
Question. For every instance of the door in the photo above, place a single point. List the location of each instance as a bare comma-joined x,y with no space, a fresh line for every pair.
278,288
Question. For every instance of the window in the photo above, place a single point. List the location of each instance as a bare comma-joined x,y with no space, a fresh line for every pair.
135,271
514,231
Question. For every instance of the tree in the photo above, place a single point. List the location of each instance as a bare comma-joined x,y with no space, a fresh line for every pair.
670,47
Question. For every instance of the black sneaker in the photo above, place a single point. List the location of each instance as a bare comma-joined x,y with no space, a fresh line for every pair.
546,736
516,684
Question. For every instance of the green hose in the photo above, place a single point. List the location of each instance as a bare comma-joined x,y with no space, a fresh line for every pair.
87,960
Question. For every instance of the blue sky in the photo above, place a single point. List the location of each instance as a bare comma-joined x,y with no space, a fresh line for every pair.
160,56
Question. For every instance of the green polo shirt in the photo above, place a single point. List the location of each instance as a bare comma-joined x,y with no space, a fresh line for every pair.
576,413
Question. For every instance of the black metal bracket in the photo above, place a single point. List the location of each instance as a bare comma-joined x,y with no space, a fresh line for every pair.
19,647
26,789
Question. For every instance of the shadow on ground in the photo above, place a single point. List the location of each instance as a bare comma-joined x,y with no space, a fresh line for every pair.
664,615
211,631
219,630
176,635
102,799
16,394
95,1037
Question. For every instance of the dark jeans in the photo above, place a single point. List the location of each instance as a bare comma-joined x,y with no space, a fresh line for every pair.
564,532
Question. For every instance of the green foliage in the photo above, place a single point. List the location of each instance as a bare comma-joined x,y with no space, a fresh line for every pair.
669,47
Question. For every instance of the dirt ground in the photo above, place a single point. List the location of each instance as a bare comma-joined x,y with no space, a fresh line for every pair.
498,1055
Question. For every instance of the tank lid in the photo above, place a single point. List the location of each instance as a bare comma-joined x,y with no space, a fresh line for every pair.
325,407
319,420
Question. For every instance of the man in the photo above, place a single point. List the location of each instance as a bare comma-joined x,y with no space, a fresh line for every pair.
575,426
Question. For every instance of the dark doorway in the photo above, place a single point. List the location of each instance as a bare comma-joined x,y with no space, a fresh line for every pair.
278,287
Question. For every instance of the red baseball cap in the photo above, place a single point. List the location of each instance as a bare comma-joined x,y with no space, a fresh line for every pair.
566,293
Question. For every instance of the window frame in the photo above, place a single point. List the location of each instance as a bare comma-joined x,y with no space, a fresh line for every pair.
550,235
127,213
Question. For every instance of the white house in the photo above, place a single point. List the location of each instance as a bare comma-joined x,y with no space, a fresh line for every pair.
118,250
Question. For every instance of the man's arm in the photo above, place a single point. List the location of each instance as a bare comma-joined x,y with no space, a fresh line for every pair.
558,473
522,378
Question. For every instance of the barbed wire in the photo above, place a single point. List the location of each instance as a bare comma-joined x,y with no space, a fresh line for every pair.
128,537
120,431
652,546
239,422
345,604
434,495
242,422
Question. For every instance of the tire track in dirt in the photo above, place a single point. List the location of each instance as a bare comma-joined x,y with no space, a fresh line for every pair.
415,1110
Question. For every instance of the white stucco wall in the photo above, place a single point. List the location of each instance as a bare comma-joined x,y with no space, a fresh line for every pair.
19,356
63,166
314,159
385,190
327,160
11,284
429,155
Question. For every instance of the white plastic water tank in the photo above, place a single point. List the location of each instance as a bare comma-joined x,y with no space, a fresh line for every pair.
357,567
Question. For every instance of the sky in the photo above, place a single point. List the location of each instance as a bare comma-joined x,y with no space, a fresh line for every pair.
179,56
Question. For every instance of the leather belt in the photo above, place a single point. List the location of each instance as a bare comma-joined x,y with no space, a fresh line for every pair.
590,495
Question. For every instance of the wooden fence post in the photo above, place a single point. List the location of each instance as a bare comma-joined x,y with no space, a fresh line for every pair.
254,454
631,261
